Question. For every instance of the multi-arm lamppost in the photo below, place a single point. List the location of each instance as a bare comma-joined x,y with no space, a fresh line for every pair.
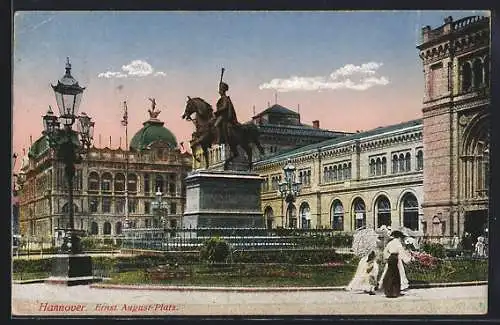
289,189
68,146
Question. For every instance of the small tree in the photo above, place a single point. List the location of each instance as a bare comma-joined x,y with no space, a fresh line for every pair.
214,250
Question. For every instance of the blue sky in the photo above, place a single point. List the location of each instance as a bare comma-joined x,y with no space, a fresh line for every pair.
178,54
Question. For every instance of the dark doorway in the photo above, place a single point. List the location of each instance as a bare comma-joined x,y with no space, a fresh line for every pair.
475,223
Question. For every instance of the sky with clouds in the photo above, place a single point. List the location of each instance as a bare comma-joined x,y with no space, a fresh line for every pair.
350,70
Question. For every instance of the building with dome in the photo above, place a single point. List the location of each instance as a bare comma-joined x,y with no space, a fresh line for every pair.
155,162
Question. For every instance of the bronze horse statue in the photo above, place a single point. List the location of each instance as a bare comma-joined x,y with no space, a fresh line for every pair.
205,135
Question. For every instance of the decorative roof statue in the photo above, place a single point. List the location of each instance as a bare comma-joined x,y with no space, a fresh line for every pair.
152,113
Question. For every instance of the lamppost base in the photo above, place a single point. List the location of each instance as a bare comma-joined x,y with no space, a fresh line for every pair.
69,269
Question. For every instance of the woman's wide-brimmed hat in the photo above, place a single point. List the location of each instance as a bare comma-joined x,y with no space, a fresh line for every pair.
397,234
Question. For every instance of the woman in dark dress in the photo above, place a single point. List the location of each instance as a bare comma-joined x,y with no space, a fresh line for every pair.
392,279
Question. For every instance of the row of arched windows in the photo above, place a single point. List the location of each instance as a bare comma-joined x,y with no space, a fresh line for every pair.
402,163
338,172
305,177
382,213
106,228
105,183
475,73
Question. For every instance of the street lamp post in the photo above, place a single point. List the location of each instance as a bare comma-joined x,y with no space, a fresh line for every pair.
68,146
161,209
289,189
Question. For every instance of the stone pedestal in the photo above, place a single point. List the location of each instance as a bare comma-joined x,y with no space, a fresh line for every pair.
229,199
71,269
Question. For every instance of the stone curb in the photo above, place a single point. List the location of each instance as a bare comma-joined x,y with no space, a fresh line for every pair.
266,289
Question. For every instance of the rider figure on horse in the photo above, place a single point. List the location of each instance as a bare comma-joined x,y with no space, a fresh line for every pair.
225,115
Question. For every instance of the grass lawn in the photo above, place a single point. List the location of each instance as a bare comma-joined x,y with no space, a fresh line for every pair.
339,276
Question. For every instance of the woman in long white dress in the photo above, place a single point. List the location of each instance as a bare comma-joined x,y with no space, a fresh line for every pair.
395,246
365,278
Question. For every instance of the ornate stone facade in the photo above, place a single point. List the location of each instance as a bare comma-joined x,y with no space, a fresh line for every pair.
99,189
363,179
456,65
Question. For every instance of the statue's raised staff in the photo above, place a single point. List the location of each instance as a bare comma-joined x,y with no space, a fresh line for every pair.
221,127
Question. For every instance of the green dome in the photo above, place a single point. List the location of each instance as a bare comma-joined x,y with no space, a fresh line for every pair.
152,131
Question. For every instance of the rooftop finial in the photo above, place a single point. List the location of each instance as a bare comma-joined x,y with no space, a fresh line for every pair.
68,66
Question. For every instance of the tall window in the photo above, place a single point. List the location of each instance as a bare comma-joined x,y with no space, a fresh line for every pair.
93,182
378,167
335,174
384,166
173,208
94,228
106,182
383,212
119,205
106,230
410,211
477,73
337,216
466,77
93,204
159,184
119,182
420,160
147,207
359,213
106,204
394,164
407,162
401,163
305,216
132,183
118,228
132,205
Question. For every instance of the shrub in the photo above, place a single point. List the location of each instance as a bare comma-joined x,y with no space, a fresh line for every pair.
32,266
435,249
292,256
214,250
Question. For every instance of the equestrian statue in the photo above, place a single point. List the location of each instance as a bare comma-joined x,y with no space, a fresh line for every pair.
221,126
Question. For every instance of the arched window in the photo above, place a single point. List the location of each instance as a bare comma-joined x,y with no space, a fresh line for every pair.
401,163
337,215
93,182
359,213
65,208
335,174
94,228
394,164
477,70
106,182
305,216
410,211
132,183
408,162
344,171
325,174
93,204
309,177
349,171
159,184
269,217
378,167
118,228
119,182
383,211
384,166
420,160
106,230
466,77
119,205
